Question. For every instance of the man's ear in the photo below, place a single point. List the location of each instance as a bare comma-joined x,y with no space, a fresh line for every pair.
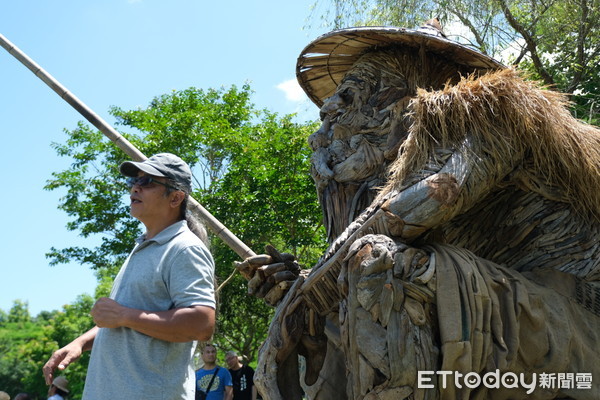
177,198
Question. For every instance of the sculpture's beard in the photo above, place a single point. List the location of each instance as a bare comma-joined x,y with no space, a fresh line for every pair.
343,202
347,173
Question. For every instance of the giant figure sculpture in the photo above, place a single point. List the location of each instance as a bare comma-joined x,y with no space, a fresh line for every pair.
462,204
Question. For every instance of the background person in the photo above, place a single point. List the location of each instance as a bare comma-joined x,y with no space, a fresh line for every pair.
242,377
162,301
221,387
59,389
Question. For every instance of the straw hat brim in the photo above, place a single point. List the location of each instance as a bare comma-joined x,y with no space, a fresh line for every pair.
324,62
61,383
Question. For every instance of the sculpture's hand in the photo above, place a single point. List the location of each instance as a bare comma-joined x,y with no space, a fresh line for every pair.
269,275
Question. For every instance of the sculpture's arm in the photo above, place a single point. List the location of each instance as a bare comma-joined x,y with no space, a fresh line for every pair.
434,196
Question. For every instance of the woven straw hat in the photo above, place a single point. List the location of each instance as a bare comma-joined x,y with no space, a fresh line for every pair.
324,62
61,383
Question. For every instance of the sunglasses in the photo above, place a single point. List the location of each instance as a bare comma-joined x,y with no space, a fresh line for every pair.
146,181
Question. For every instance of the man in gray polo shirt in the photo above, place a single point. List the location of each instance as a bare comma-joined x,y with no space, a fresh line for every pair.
162,300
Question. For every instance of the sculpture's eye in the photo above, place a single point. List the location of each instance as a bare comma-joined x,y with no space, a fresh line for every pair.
347,96
333,106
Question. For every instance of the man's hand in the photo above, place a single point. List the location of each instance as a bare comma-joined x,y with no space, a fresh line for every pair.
269,275
61,358
107,313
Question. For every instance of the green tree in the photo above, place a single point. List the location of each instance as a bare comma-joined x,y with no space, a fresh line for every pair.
26,343
557,40
65,326
15,332
274,202
19,313
251,170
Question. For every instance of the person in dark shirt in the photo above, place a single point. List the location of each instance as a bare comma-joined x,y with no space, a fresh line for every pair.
242,377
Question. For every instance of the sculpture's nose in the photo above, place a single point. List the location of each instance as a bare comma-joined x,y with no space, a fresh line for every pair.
331,106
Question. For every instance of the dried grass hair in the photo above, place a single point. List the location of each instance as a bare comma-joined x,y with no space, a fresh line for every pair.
506,116
417,68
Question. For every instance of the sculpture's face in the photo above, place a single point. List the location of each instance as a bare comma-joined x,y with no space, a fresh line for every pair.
360,134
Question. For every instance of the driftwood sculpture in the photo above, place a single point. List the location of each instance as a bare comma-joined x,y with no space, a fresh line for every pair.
462,203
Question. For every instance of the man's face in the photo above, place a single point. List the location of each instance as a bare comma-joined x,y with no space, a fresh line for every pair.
149,203
209,355
231,360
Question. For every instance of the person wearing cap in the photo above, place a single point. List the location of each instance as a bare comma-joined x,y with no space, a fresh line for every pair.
59,389
462,207
242,377
162,301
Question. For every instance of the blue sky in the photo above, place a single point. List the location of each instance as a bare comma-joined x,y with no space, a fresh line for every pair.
121,53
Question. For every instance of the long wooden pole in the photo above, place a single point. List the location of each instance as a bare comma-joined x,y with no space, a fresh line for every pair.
213,224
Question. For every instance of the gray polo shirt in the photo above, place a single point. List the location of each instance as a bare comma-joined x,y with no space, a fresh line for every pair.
172,270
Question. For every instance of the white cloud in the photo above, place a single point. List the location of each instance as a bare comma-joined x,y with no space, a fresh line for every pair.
292,90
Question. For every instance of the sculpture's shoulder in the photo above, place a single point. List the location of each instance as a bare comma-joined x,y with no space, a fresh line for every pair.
524,230
506,119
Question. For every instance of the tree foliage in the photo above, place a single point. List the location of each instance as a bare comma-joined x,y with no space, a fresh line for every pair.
273,201
558,41
26,343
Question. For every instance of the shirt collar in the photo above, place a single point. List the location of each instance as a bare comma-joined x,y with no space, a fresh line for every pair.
166,234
